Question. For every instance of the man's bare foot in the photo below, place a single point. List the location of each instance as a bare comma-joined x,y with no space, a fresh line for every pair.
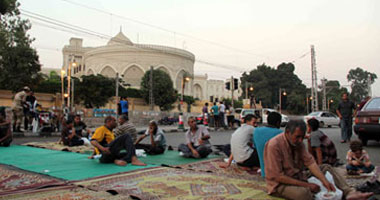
136,161
120,162
358,195
90,157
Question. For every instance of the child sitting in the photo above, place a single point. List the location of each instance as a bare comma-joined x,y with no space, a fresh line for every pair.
358,159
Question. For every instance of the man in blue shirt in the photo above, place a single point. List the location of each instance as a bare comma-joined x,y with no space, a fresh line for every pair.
124,106
262,135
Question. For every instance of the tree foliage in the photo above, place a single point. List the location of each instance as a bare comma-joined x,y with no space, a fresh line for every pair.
94,91
49,84
360,79
19,64
163,92
267,82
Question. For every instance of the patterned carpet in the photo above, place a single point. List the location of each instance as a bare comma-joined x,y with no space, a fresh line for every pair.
64,193
13,180
212,166
60,147
171,183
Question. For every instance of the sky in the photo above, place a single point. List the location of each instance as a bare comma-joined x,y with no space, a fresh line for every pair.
234,35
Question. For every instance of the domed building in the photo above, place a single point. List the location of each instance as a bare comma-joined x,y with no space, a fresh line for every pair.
130,60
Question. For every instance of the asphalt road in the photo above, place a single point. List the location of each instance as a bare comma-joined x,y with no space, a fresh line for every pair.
223,137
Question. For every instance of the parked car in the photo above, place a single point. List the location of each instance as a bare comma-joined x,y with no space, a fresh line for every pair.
325,118
262,113
367,121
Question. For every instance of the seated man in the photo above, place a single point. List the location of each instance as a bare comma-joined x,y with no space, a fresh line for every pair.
241,146
105,143
125,127
80,126
197,141
285,157
5,131
157,140
319,145
68,135
263,134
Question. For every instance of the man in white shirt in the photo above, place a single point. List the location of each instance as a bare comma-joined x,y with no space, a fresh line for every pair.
222,110
197,141
242,150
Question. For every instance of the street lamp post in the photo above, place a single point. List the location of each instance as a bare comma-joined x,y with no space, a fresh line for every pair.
183,82
281,92
62,89
328,104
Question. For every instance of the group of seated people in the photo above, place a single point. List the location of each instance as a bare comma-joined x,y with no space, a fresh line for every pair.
286,163
283,159
118,144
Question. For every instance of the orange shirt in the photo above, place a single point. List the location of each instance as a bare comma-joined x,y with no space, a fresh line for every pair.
281,158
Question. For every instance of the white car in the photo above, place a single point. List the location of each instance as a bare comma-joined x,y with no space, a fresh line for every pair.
263,114
325,118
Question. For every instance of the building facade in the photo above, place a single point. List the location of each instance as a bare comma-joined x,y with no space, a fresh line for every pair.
131,61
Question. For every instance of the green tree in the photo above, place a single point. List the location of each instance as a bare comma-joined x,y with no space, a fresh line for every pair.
19,64
360,79
163,92
94,90
49,84
267,82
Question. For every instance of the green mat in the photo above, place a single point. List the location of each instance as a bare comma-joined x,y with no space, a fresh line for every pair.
75,166
172,158
60,164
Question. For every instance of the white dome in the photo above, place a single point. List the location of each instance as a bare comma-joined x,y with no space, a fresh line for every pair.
120,39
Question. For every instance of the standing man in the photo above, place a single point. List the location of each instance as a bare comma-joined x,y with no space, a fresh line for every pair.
197,141
222,110
105,143
215,112
18,106
205,113
29,109
344,112
124,106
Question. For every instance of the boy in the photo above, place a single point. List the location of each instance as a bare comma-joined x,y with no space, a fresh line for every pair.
358,159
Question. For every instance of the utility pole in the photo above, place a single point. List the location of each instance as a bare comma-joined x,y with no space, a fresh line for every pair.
151,99
232,90
314,85
117,92
324,102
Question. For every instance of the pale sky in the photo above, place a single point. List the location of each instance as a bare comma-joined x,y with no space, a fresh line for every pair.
240,33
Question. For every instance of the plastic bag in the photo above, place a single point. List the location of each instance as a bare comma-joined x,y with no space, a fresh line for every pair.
324,194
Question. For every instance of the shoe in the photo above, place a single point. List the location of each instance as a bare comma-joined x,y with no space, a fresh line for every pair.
181,153
170,148
343,141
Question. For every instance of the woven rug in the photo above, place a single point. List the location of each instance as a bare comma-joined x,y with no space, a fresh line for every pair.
65,193
171,183
13,180
60,147
212,166
355,180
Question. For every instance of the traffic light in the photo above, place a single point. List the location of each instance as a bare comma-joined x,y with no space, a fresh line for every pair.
228,85
236,83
